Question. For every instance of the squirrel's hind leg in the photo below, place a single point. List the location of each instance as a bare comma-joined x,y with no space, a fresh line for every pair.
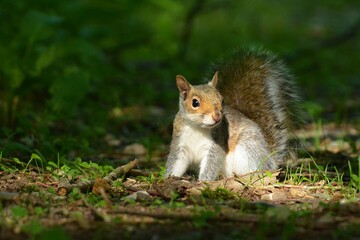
227,170
242,160
250,157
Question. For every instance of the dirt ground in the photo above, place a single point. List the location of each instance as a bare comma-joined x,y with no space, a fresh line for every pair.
274,205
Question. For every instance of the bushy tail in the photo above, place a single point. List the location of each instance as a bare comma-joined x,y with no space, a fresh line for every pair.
259,85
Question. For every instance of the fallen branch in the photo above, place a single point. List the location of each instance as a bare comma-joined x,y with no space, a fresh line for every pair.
83,186
65,188
221,217
185,216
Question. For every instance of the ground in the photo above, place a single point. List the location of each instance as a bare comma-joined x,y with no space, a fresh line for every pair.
318,197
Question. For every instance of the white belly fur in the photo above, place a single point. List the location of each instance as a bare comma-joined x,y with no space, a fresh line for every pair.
197,143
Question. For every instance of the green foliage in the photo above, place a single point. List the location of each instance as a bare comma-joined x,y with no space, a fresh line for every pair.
220,194
149,179
162,172
39,211
355,177
75,194
313,109
65,66
55,233
202,216
173,201
8,167
35,158
311,173
70,90
72,169
19,212
93,169
33,228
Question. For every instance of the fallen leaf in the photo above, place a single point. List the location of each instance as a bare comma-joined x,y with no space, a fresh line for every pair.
274,196
100,185
298,192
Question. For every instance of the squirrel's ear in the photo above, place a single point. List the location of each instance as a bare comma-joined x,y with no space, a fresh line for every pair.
214,80
183,85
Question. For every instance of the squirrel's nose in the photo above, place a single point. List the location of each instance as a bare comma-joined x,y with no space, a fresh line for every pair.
217,116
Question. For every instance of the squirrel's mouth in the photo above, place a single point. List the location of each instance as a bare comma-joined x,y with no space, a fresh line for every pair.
210,125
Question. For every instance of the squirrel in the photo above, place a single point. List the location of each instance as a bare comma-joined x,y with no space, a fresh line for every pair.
241,121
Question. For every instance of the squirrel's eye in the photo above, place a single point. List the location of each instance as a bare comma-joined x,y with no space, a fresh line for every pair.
195,103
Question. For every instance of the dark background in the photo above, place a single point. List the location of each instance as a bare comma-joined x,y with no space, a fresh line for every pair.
75,73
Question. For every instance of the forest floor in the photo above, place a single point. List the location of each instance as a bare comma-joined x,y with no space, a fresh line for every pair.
317,197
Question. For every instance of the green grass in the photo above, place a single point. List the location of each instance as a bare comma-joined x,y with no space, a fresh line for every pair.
27,217
355,176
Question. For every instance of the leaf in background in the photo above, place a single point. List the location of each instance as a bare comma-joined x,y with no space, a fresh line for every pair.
9,66
68,91
37,26
45,59
16,77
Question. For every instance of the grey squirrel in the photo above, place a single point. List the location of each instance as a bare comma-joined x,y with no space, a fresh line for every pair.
239,122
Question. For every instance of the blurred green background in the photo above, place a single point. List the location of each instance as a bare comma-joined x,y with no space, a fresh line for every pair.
76,73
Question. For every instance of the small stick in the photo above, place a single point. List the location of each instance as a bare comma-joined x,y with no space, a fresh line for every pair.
119,171
300,187
64,189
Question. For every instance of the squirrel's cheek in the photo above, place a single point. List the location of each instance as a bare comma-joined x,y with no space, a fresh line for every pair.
196,118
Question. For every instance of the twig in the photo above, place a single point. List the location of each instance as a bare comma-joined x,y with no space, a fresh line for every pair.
299,187
82,186
64,189
117,172
260,172
46,185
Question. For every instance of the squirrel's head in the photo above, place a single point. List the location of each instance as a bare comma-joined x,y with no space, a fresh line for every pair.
201,104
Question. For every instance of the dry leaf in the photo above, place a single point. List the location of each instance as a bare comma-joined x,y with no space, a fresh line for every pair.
274,196
100,185
298,192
